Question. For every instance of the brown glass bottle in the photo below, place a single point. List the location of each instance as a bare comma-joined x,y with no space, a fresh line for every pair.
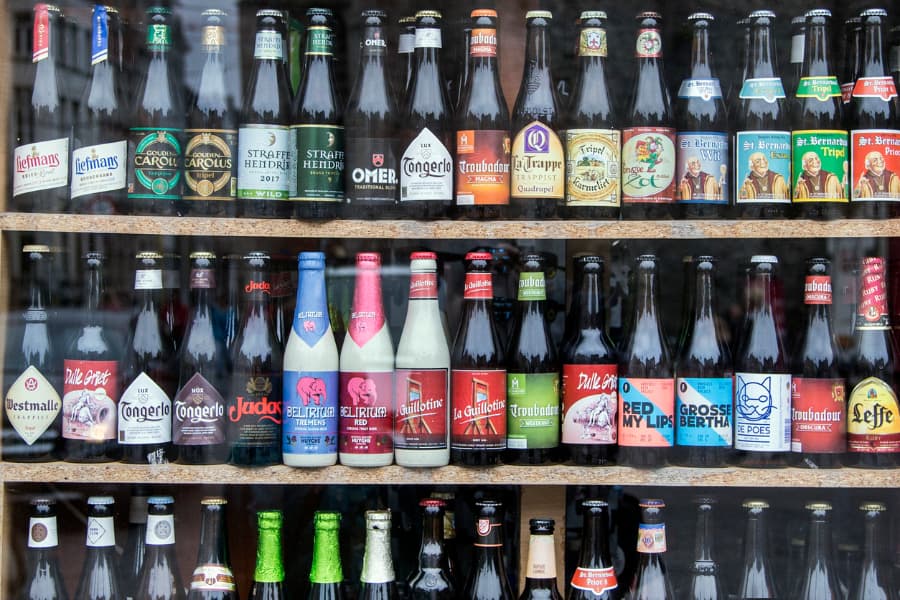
462,73
99,579
160,578
651,581
42,579
820,579
851,57
478,373
213,578
487,578
874,577
594,577
432,580
540,569
798,51
894,62
406,58
756,579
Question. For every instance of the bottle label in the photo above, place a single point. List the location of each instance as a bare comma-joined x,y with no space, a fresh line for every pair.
426,170
203,279
148,279
592,42
478,409
532,286
159,37
874,418
538,163
817,290
532,410
155,156
311,412
256,412
145,413
593,164
428,37
258,290
818,423
320,162
99,35
42,532
90,395
590,400
541,558
199,414
821,88
763,166
213,37
41,166
798,42
269,46
100,168
648,165
212,578
41,37
820,166
482,159
372,170
847,92
595,581
160,530
374,42
647,414
478,286
406,43
423,286
705,89
875,164
769,89
762,404
875,87
209,164
319,41
704,158
264,158
872,308
704,411
32,405
422,410
365,325
651,538
100,532
367,418
649,44
483,43
894,59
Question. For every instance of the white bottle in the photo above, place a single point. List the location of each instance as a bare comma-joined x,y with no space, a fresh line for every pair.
367,374
310,389
422,381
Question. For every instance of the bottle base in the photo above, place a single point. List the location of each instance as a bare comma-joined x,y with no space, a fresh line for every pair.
309,460
475,458
422,458
365,460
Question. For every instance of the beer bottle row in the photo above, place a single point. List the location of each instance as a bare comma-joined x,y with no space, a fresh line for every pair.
149,569
411,152
476,401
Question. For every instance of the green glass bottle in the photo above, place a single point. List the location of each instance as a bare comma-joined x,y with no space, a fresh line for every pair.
269,573
326,574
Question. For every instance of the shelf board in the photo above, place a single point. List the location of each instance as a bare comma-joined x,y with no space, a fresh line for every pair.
403,229
452,475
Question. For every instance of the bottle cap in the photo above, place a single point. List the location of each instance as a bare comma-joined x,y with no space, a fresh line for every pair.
423,256
202,254
821,13
319,12
588,504
873,507
818,506
148,256
484,12
853,21
378,519
214,12
701,16
593,14
755,504
651,503
268,12
159,10
407,20
213,501
585,259
762,14
800,20
539,14
93,256
479,256
541,526
101,500
370,13
434,14
257,259
873,12
42,501
368,259
326,519
311,260
32,248
763,258
648,14
432,502
269,519
163,500
706,500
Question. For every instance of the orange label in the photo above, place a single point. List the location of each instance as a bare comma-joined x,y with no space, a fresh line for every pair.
483,42
595,581
875,164
482,164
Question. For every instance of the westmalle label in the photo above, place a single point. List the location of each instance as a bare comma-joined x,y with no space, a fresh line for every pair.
31,405
155,154
209,164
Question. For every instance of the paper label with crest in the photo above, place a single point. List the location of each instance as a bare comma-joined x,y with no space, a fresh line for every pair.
31,405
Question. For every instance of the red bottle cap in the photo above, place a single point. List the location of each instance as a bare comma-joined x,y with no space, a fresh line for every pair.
479,256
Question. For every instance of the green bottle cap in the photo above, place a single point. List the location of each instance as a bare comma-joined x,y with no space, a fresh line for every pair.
269,566
326,561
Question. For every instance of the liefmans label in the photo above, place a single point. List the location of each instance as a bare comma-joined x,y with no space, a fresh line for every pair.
209,164
821,88
763,166
155,155
593,167
264,157
320,162
703,156
532,410
538,163
875,164
820,166
100,168
426,169
648,165
41,166
769,89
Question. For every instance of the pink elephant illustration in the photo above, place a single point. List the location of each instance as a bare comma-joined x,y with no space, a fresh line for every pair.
311,388
362,391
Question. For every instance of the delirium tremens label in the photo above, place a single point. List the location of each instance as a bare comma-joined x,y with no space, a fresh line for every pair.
310,412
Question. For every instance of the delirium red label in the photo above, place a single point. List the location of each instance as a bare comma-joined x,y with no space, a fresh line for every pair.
366,416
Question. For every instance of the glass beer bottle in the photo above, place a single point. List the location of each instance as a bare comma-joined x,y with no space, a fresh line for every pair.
99,578
377,577
213,578
651,581
487,579
874,581
432,580
326,573
160,579
819,580
268,575
756,580
42,579
594,577
706,582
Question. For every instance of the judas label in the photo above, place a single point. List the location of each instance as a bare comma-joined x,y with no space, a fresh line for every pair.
145,413
199,418
31,405
538,165
875,164
41,166
255,415
426,169
818,411
478,410
648,165
209,164
422,409
646,412
90,394
366,419
310,412
372,170
155,157
482,163
590,402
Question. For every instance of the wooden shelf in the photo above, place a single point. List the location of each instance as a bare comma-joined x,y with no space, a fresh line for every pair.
502,475
399,229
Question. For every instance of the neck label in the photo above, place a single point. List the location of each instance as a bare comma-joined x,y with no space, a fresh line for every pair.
705,89
42,532
651,538
872,310
213,38
821,88
483,43
769,89
592,42
41,45
148,279
212,578
101,532
269,45
596,581
319,41
541,559
428,37
532,286
99,36
160,530
875,87
649,44
479,286
159,37
423,286
817,289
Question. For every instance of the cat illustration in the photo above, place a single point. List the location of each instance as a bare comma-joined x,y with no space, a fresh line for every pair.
754,399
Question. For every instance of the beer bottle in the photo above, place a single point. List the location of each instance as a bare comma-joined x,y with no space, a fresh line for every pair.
818,396
482,127
91,380
852,56
706,583
538,169
32,408
540,570
281,293
819,580
155,139
426,167
462,73
160,579
268,575
762,148
42,577
704,429
594,577
254,396
377,577
211,133
875,133
592,138
589,373
326,574
478,373
762,384
264,140
371,129
487,578
99,578
366,391
212,578
688,301
149,372
651,581
743,64
648,138
406,58
895,55
703,189
422,391
756,579
135,551
451,555
874,578
872,409
646,379
41,159
798,51
819,139
532,374
199,422
99,147
232,300
432,580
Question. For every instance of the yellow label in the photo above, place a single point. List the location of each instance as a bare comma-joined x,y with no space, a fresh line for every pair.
593,165
873,409
538,166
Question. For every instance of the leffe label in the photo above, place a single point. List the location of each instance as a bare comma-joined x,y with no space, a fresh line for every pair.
320,162
264,158
372,170
593,167
366,412
704,157
651,538
212,578
875,164
818,415
590,401
160,530
155,156
145,413
821,88
42,532
705,89
209,164
90,395
703,408
199,418
255,413
647,412
41,166
422,409
426,169
875,87
310,412
100,168
32,405
538,164
873,418
763,166
648,165
820,165
482,160
595,581
100,532
762,405
769,89
532,410
478,409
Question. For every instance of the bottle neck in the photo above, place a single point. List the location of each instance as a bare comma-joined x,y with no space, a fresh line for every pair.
705,310
93,293
818,545
761,63
427,46
815,60
537,53
35,289
374,49
431,554
872,536
595,545
377,564
645,308
762,294
872,55
541,568
755,538
701,67
326,561
213,539
704,537
590,300
269,566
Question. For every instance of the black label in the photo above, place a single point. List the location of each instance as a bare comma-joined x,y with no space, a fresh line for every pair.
372,169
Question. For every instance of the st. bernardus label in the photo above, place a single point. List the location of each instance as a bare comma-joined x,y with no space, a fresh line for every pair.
763,166
821,165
